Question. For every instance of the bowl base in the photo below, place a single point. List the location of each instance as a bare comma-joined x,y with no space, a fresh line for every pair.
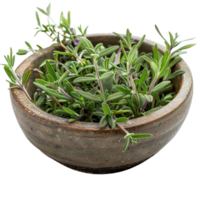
106,170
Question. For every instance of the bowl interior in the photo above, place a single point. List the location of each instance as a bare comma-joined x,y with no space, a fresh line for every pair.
106,39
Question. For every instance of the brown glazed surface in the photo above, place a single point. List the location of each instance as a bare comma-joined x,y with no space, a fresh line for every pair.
84,146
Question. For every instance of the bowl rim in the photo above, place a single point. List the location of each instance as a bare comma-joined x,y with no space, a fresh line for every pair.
30,109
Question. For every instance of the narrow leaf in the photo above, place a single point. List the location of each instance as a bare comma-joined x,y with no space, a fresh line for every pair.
69,111
106,75
159,32
180,53
160,86
26,77
121,119
126,145
51,70
89,96
84,79
103,122
106,109
28,44
108,51
176,73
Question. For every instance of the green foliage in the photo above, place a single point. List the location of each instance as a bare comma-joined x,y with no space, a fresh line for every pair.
105,84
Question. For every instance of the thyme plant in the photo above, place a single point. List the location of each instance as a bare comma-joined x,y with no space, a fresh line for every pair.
101,84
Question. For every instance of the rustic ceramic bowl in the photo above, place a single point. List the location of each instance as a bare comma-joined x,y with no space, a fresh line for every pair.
84,146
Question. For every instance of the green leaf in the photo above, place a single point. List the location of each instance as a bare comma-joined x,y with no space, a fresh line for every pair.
86,29
119,112
63,77
123,89
179,42
86,67
149,98
111,122
37,17
125,55
141,100
10,55
91,106
160,86
165,58
171,39
106,109
42,82
9,73
9,81
108,51
107,85
80,29
72,120
14,61
51,70
106,75
50,78
63,53
167,73
159,32
87,42
41,10
115,96
121,119
140,136
69,18
122,38
157,99
26,77
156,53
142,78
84,79
132,54
28,44
71,112
126,145
69,87
176,73
174,62
140,42
51,92
40,101
20,52
112,57
129,38
103,122
49,7
177,54
14,87
89,96
106,63
97,47
165,63
185,47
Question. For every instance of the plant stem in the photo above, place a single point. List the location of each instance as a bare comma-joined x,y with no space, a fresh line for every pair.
63,46
151,87
20,85
97,74
64,93
121,127
57,102
133,85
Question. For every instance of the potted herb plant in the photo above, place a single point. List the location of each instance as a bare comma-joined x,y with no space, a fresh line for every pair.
85,100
